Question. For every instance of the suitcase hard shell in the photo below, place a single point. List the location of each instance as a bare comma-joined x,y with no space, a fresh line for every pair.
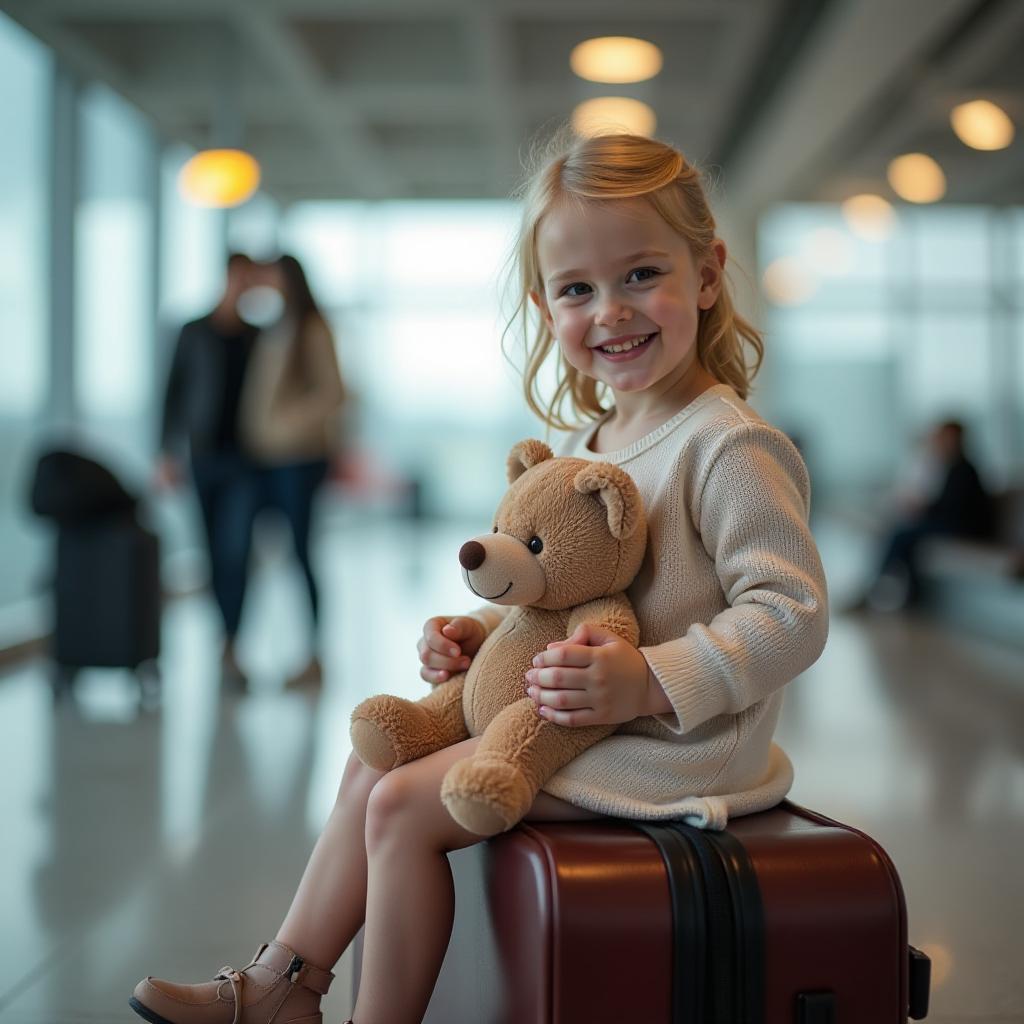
107,594
787,916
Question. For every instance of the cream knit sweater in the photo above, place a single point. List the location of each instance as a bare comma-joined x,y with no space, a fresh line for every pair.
732,605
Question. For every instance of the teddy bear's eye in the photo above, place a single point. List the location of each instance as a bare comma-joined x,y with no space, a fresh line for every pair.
495,530
536,545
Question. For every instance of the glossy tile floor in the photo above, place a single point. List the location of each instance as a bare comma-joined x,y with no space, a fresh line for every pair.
169,842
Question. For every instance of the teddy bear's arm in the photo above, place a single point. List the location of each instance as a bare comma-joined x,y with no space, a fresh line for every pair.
614,613
388,731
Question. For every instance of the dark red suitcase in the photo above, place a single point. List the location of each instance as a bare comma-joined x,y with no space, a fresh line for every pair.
786,917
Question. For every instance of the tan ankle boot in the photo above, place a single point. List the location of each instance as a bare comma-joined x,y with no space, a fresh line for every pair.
277,987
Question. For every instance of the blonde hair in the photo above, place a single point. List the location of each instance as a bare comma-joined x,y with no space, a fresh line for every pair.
620,167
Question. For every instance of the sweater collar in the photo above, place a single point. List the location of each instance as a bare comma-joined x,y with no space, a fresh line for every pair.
648,440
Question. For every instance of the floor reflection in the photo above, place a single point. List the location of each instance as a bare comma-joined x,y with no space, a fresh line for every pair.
170,841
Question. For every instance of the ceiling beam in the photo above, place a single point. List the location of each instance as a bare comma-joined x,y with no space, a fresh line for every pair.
436,103
829,87
79,57
373,10
931,90
498,105
339,133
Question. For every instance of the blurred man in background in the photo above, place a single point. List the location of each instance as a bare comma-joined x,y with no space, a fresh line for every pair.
200,427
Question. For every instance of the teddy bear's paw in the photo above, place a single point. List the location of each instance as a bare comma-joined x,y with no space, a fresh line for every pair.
388,731
486,797
372,745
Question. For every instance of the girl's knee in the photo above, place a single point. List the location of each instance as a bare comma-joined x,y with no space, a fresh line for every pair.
405,810
357,780
392,806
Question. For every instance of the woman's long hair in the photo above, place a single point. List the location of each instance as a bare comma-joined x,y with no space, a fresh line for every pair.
301,308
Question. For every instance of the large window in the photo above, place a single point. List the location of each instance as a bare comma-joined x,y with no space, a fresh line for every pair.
413,291
871,342
114,279
25,73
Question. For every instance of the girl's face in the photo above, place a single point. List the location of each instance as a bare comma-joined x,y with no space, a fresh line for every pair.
621,292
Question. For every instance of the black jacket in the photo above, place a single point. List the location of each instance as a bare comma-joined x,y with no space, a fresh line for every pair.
204,387
963,506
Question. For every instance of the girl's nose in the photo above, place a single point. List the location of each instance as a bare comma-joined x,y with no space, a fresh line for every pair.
612,312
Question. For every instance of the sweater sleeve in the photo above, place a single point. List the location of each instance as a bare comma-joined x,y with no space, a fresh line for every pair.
750,505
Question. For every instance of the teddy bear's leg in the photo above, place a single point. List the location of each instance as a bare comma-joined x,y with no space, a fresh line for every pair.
490,791
388,731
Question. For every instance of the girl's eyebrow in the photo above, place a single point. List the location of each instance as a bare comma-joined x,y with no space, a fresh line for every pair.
631,258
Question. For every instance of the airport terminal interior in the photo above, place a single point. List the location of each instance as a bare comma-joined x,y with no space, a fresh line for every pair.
865,164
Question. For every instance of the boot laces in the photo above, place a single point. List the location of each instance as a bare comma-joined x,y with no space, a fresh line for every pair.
236,979
229,974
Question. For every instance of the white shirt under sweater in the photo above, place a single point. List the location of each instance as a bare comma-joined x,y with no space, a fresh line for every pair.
732,605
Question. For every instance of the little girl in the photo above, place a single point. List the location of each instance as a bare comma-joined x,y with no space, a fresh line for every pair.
618,253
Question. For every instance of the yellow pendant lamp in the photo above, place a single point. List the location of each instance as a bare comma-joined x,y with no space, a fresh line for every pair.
219,178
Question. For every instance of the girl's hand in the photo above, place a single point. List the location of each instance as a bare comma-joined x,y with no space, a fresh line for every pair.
593,678
447,645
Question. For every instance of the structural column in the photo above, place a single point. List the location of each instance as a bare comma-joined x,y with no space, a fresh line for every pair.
64,194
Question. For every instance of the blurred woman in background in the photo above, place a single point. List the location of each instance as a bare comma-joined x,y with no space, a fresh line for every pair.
289,415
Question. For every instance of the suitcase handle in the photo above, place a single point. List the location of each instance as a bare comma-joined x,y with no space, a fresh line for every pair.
920,983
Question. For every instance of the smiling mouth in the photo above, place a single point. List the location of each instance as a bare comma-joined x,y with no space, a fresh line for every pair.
484,596
627,346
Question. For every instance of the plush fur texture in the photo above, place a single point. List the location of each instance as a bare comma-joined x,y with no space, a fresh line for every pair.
568,538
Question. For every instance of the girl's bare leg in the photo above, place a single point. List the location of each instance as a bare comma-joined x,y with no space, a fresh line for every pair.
410,896
330,903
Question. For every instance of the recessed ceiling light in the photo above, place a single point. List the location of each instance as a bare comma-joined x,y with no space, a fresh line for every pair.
786,282
610,114
869,216
917,178
219,178
982,124
616,59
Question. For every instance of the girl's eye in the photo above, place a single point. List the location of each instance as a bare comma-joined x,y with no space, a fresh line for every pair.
569,290
536,545
643,274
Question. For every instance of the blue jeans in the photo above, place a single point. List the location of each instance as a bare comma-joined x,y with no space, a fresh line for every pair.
291,489
230,492
901,553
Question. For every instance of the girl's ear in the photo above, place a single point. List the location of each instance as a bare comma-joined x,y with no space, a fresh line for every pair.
711,275
538,300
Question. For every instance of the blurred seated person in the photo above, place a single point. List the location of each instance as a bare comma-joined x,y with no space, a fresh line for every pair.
947,499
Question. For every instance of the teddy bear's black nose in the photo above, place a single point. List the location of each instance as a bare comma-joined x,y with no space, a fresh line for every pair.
472,555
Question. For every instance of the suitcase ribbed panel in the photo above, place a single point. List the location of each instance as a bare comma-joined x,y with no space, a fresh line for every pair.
689,922
748,925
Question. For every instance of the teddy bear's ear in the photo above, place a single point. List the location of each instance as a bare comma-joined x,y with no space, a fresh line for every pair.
617,493
525,455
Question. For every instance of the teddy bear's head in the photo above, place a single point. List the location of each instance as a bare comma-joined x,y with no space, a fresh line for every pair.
567,531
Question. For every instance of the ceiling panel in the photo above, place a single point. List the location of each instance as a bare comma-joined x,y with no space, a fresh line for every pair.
391,98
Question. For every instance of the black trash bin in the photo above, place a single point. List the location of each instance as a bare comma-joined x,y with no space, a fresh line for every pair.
107,579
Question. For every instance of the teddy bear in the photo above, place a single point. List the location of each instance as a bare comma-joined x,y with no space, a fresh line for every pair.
568,538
